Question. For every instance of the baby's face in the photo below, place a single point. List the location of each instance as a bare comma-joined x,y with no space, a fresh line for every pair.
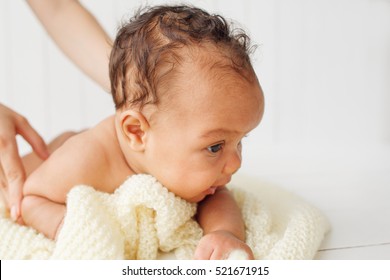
194,144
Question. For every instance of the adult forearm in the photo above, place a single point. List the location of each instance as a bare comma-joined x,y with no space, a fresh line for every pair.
78,34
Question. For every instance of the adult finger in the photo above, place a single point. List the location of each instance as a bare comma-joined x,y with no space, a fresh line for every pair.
3,188
24,129
14,174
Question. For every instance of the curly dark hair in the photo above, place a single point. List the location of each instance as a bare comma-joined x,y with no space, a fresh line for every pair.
147,47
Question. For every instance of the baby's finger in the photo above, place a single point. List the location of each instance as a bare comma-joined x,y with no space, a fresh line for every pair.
218,255
203,252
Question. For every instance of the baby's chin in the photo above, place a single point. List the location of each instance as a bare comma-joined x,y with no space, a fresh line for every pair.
196,199
201,196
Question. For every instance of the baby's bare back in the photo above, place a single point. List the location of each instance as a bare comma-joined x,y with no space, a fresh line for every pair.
86,158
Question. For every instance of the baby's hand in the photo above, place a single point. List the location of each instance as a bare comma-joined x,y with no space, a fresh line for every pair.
218,245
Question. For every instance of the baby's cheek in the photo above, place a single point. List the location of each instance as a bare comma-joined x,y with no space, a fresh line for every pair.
185,179
173,181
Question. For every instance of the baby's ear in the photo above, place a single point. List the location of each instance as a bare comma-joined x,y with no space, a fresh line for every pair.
133,126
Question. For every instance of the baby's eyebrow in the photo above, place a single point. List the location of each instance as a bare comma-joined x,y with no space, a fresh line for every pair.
218,132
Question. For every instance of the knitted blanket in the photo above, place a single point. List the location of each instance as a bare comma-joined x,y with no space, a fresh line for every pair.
142,218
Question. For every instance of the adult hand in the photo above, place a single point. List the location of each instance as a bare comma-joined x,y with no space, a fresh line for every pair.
12,173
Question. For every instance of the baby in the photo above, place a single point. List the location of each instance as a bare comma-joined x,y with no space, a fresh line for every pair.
185,95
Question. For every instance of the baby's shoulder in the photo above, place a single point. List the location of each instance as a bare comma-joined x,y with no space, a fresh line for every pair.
84,149
93,140
79,160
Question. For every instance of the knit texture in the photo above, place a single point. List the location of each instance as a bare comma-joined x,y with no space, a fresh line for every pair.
142,218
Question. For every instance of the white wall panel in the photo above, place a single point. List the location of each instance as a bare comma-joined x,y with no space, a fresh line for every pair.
26,61
65,94
344,99
4,62
95,103
25,40
324,67
290,93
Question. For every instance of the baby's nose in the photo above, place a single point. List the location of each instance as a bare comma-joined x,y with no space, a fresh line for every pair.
233,163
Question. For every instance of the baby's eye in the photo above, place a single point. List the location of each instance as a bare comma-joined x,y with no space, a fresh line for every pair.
215,148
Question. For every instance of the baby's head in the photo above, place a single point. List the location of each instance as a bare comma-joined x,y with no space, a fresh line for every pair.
186,94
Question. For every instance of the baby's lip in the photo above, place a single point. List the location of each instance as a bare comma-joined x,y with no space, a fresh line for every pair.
213,189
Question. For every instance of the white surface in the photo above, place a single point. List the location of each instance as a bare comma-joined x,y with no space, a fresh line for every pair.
352,188
373,252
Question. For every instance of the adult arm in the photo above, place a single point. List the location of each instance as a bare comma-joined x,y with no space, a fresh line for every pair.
78,34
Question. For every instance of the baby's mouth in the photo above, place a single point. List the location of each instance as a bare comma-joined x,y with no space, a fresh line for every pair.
213,189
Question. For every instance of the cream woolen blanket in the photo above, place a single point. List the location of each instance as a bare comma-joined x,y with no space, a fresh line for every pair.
142,217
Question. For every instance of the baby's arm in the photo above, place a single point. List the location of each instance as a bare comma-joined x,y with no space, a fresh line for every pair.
223,226
45,190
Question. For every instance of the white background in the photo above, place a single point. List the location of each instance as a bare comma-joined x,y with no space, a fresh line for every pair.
324,66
